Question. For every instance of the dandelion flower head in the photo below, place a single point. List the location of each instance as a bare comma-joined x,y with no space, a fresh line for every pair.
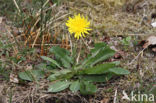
78,25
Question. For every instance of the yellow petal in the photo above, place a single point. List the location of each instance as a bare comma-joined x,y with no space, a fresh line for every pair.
79,25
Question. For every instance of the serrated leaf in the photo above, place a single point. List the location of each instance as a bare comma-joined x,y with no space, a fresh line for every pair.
75,86
119,71
59,86
50,60
98,69
63,55
31,75
97,78
87,88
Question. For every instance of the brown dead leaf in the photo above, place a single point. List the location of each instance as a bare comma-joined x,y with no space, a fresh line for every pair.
119,54
13,78
105,100
150,41
155,59
154,49
2,20
106,39
29,67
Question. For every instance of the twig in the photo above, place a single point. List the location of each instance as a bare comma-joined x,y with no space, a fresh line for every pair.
78,57
36,38
137,56
71,45
39,12
31,35
45,44
17,6
42,45
115,96
141,34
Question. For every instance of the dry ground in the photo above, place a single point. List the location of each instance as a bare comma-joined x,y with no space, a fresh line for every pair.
111,25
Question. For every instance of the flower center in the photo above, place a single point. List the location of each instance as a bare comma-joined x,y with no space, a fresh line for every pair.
79,25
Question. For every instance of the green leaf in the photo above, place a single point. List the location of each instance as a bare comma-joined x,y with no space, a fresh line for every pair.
117,63
119,71
153,90
74,54
98,46
41,66
128,38
31,75
50,60
97,78
53,77
87,88
100,53
126,41
101,56
25,76
98,69
58,73
59,86
75,86
63,55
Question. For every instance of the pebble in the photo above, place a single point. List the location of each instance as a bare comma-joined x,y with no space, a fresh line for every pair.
153,24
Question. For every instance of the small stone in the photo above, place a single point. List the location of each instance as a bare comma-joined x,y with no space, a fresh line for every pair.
153,24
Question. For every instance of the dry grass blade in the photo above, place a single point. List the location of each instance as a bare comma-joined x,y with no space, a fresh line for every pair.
30,36
42,45
38,34
17,6
89,4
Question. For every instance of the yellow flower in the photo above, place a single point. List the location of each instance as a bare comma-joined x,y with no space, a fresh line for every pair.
78,25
